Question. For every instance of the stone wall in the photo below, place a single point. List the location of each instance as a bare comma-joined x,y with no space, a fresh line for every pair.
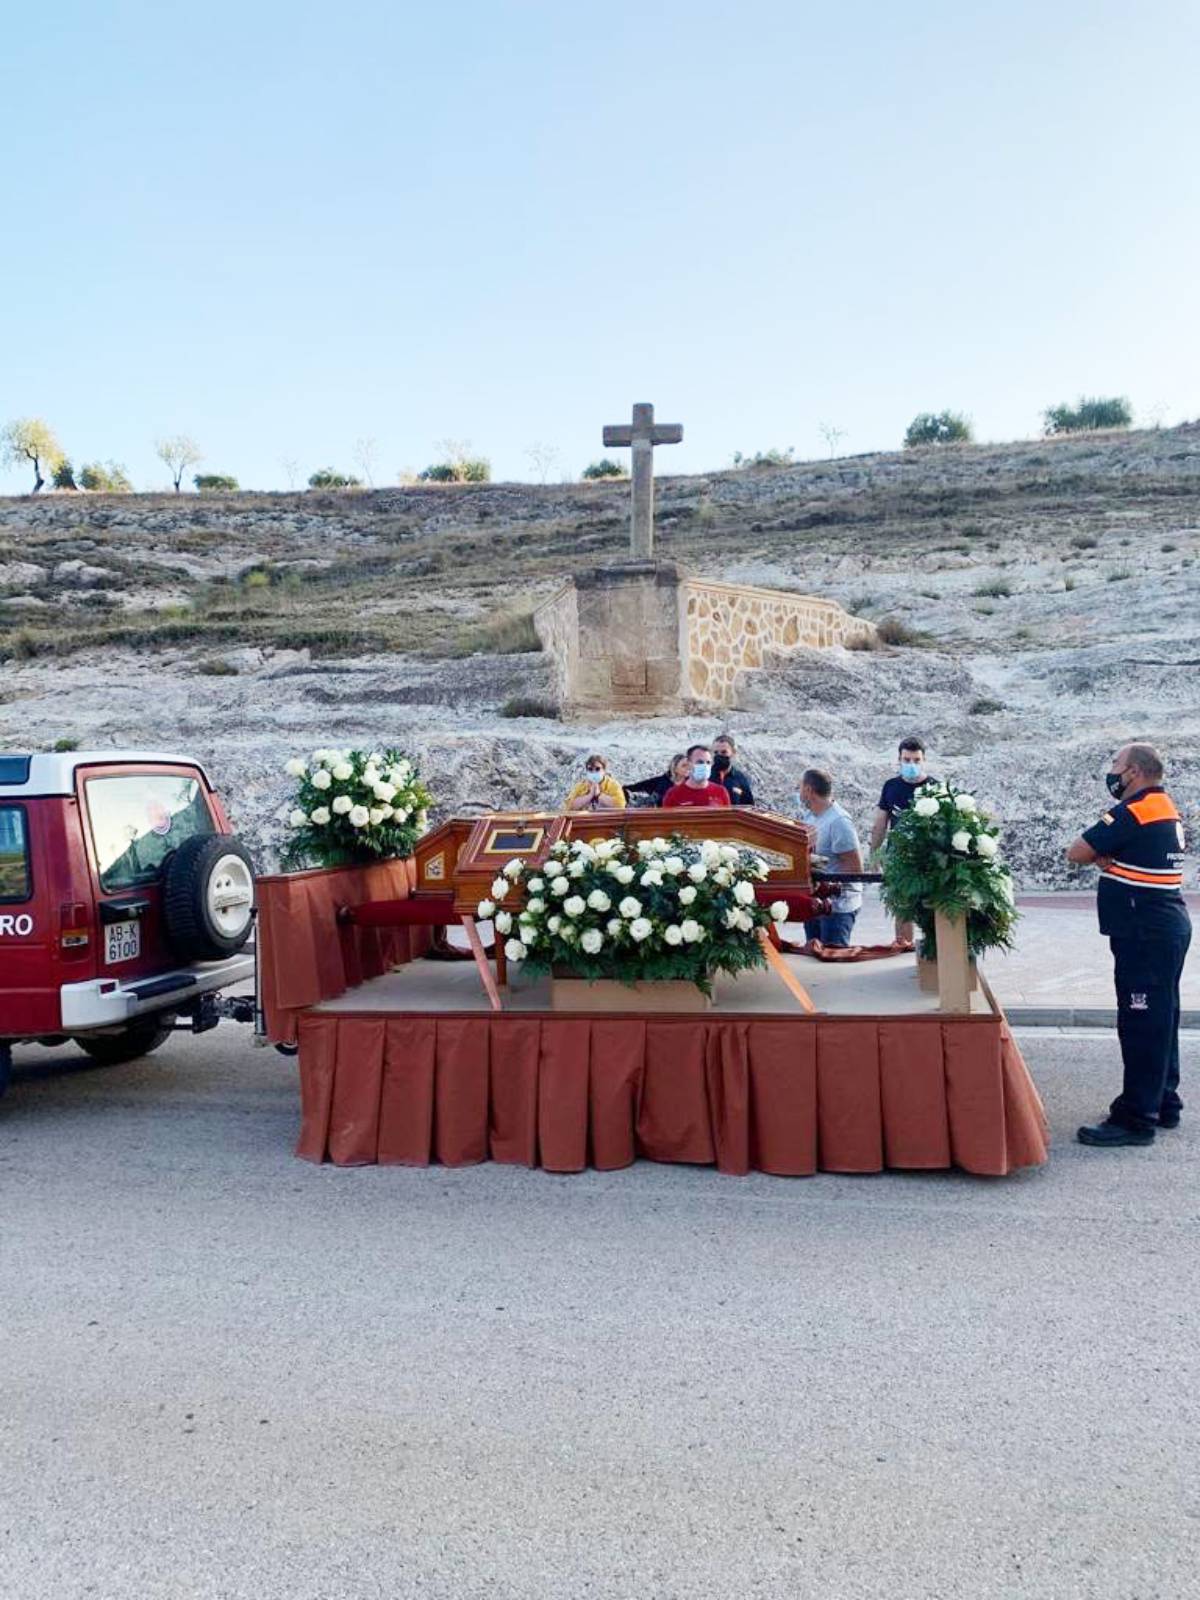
643,638
729,628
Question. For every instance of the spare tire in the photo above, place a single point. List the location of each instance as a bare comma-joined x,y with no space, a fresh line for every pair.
208,897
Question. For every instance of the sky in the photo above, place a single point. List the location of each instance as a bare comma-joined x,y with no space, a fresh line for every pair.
283,229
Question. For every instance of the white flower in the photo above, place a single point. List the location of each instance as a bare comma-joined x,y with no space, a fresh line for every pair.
731,917
574,906
673,934
606,848
376,815
342,771
503,921
569,933
778,910
341,804
321,779
687,894
745,921
295,768
388,811
723,876
692,931
728,852
536,885
640,928
401,813
553,869
359,816
743,892
961,841
651,879
577,868
965,802
383,791
674,865
926,806
710,852
515,950
987,844
514,868
629,907
370,777
758,868
624,874
499,888
591,941
697,872
554,923
599,901
528,933
614,926
485,909
320,816
297,818
321,755
536,905
560,886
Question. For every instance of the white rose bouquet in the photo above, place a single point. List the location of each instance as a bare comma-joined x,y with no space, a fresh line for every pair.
943,854
663,908
354,806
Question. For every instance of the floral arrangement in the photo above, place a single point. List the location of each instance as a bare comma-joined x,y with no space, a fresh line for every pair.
943,854
658,909
354,806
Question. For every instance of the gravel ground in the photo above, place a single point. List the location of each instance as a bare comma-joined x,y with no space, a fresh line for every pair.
229,1374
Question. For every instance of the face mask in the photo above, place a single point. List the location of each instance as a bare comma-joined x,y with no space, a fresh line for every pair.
910,770
595,773
1115,783
701,771
722,763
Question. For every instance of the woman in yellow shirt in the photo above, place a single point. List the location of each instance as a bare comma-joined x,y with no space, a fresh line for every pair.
597,791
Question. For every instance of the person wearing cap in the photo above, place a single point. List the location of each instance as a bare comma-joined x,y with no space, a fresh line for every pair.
1138,845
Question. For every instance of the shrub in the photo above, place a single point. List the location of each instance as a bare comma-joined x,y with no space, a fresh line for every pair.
460,469
765,458
256,578
1084,541
527,705
865,641
604,468
215,667
327,478
105,478
996,589
891,630
1118,577
983,707
1070,582
63,476
442,472
65,744
211,482
1115,412
937,427
1167,548
507,633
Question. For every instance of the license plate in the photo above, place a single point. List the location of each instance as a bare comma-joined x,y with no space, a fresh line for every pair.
122,942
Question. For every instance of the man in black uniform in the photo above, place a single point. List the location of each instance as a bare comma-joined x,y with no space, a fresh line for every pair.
733,779
1138,846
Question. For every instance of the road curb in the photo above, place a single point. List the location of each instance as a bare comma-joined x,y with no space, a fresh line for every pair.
1078,1017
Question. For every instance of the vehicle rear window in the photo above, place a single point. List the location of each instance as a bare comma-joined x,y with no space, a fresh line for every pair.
138,819
15,881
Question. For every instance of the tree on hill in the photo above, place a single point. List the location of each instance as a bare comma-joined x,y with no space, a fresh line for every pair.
214,482
938,427
604,468
457,465
105,477
178,454
63,476
765,458
328,478
1115,412
31,439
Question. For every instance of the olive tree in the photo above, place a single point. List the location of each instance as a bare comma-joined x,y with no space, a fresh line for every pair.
177,455
31,439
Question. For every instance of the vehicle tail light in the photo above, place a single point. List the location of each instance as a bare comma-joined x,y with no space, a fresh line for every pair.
74,926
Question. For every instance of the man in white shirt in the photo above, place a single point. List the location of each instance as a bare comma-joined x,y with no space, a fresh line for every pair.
833,838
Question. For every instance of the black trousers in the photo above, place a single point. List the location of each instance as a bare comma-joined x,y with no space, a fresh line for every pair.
1147,974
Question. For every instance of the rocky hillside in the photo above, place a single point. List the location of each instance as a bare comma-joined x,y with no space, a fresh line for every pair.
1044,597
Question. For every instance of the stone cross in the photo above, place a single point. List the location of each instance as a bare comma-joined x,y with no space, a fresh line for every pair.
643,435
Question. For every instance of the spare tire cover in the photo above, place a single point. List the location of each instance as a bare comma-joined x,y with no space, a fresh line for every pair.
208,897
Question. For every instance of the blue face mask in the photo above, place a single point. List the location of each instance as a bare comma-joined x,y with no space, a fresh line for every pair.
910,770
701,771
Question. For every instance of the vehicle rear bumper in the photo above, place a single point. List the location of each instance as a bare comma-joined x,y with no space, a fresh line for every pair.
107,1002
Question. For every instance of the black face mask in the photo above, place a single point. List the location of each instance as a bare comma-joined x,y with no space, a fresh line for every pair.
722,763
1115,784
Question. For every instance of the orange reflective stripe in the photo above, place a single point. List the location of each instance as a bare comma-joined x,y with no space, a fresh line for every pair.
1154,808
1117,870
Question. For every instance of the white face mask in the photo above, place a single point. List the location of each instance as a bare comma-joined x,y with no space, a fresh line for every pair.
595,774
701,771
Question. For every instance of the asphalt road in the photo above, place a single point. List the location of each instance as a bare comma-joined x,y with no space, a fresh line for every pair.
229,1374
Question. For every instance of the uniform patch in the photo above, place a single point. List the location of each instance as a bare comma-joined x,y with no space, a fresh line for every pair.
1139,1002
1107,817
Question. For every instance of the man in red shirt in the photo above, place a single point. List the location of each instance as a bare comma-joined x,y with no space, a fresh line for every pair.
696,789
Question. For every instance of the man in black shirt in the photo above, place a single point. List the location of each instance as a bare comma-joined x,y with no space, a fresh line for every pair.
1139,846
897,794
734,780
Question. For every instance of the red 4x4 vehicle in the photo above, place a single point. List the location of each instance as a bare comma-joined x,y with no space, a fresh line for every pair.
125,901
